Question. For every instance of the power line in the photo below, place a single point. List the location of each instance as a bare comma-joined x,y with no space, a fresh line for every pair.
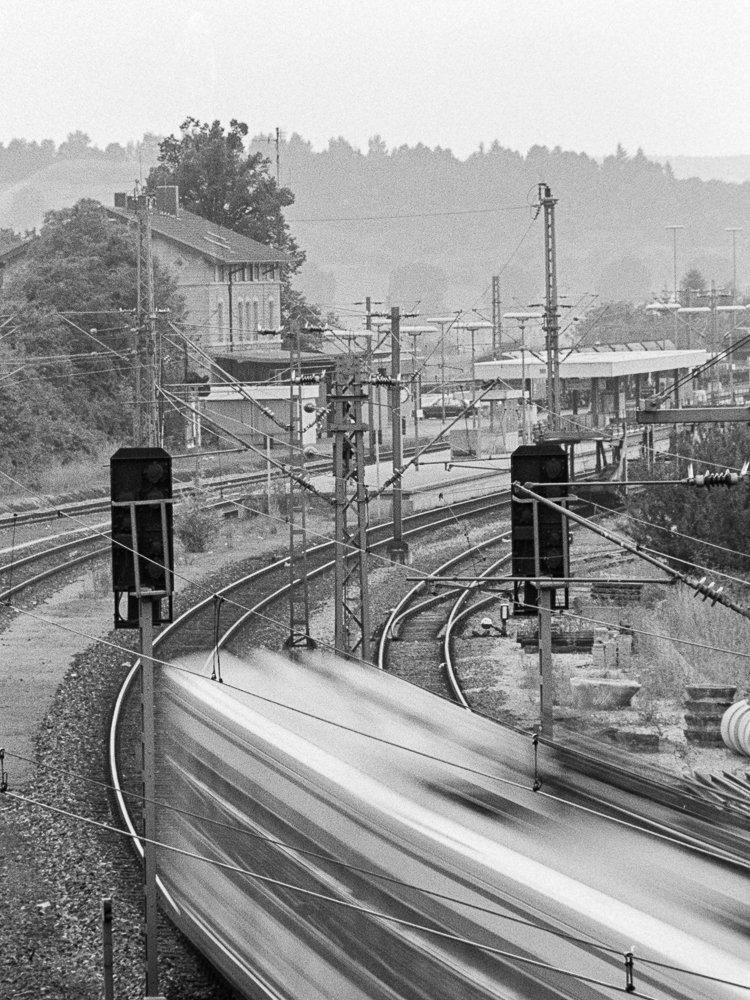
415,215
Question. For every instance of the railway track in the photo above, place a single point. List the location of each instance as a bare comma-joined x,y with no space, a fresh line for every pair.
34,563
246,607
184,486
249,607
567,772
420,628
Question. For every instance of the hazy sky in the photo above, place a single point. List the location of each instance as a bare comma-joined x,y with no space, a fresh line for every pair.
671,76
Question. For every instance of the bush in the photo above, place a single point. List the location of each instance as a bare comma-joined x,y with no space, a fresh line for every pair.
196,523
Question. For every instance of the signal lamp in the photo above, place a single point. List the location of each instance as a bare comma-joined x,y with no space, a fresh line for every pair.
142,540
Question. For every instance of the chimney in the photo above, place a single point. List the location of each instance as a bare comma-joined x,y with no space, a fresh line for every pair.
168,199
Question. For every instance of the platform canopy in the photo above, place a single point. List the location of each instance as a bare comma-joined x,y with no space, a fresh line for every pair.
612,364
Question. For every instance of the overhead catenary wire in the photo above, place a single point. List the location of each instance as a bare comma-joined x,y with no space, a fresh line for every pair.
228,379
359,869
329,858
679,534
358,907
416,215
740,862
280,625
293,709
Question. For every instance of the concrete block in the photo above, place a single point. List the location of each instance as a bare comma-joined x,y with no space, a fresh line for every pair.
603,692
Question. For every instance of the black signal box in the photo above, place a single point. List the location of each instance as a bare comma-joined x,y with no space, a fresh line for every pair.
544,467
142,536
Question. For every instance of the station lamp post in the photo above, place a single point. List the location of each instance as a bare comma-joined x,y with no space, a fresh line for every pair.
674,263
472,328
734,230
522,318
445,323
415,332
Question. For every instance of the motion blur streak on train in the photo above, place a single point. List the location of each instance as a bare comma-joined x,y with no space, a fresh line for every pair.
458,843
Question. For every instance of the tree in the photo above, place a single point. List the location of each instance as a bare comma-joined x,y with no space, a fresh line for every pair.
73,303
693,284
220,181
76,147
720,517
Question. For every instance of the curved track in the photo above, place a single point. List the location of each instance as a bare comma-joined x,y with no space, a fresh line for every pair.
39,560
335,832
424,624
368,840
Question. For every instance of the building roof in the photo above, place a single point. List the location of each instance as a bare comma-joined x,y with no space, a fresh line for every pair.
607,364
217,244
10,250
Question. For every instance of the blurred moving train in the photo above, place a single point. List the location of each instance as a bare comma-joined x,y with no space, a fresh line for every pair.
347,835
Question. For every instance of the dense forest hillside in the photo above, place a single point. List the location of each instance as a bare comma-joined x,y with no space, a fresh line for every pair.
422,228
611,220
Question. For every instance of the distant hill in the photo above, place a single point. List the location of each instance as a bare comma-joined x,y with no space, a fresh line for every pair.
62,183
735,169
419,227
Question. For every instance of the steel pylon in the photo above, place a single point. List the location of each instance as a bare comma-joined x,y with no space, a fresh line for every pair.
351,599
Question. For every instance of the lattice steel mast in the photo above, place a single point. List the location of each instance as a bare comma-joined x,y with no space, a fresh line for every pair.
299,595
551,314
147,422
351,592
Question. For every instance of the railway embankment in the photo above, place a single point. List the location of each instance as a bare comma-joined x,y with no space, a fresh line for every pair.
57,683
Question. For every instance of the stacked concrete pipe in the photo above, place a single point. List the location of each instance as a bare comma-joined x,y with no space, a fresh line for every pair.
705,706
735,727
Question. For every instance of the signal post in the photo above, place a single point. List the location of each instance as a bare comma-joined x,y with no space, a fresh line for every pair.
142,572
539,554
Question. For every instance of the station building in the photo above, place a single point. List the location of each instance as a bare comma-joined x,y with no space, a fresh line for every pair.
231,284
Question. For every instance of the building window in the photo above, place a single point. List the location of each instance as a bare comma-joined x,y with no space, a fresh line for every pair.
271,324
256,315
220,318
241,319
253,333
256,271
249,272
